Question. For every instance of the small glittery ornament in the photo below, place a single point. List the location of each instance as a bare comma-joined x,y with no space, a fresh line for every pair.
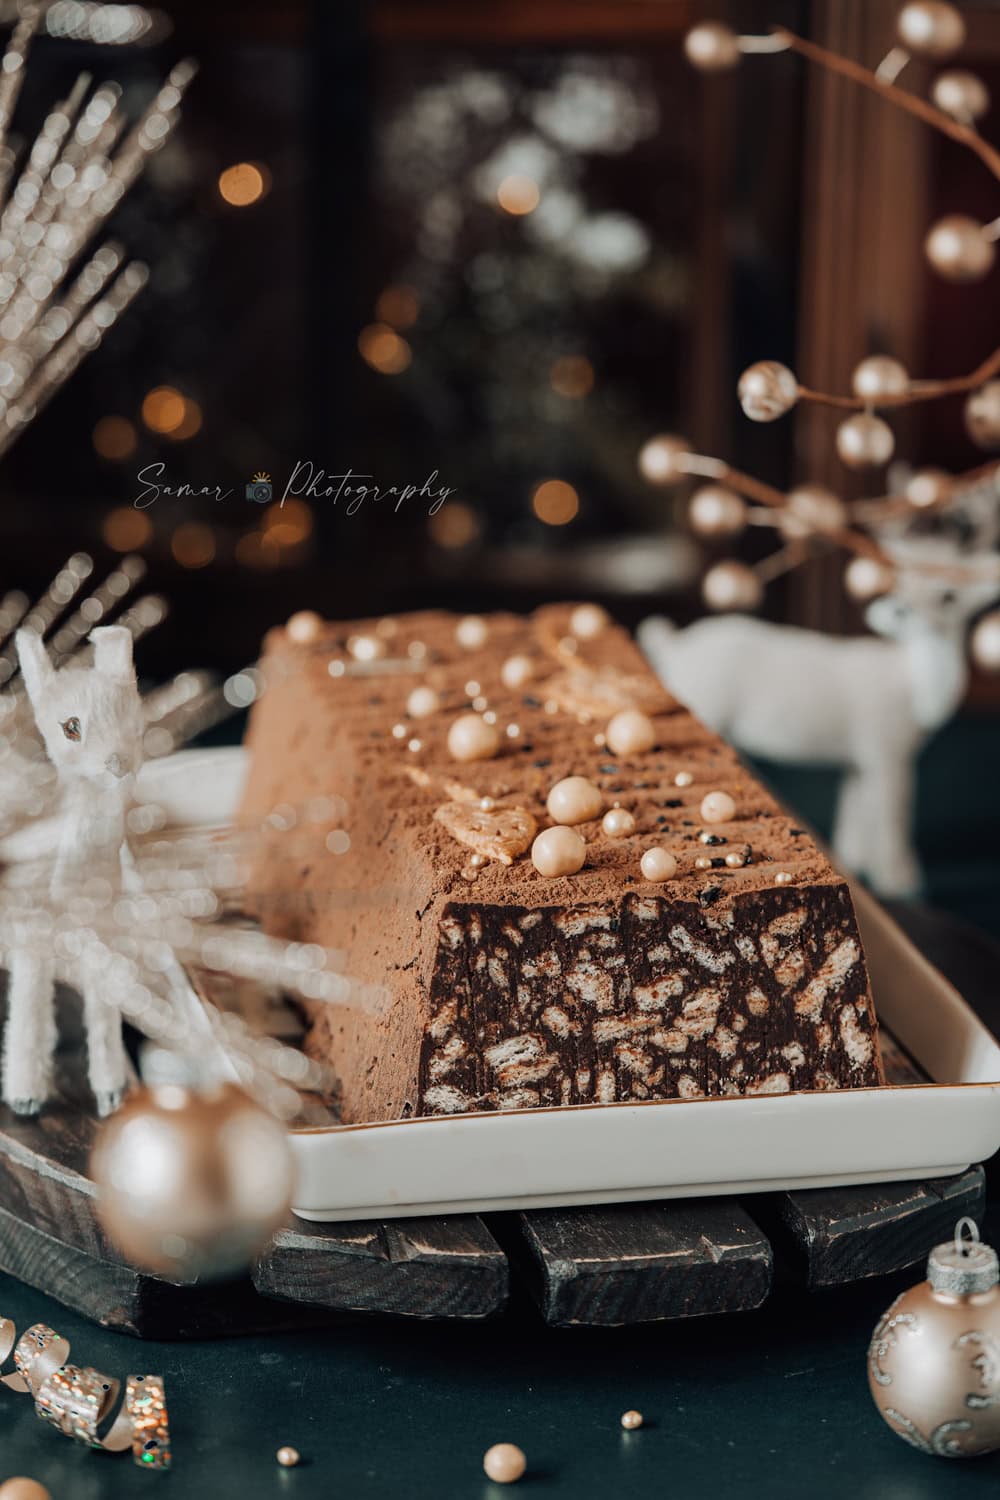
934,1358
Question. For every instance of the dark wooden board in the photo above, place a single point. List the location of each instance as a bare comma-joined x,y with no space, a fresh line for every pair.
418,1268
849,1234
645,1262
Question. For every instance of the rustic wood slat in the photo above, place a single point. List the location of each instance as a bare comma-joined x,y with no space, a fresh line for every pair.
418,1268
645,1263
847,1234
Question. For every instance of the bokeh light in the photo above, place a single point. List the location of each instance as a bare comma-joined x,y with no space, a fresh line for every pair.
115,438
244,183
189,424
454,525
572,375
382,348
163,409
126,529
518,194
287,523
555,502
193,544
398,305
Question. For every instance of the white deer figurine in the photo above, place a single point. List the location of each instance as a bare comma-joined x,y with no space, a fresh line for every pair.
866,704
91,721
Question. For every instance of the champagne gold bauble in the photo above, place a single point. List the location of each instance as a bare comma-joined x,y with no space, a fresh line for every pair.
865,578
930,28
985,644
192,1184
982,415
712,47
811,508
716,511
731,585
958,250
879,376
961,95
934,1358
864,441
767,390
659,459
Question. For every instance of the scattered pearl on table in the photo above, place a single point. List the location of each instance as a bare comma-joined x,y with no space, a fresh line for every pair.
399,731
864,441
20,1488
588,621
716,511
958,249
472,688
731,585
630,732
961,95
574,800
487,804
421,702
683,778
472,738
504,1463
660,460
336,668
471,632
288,1458
480,703
703,862
879,375
982,415
516,671
736,861
712,47
304,626
718,807
767,390
513,731
618,823
986,642
415,745
930,28
783,878
558,851
477,861
658,864
365,647
631,1420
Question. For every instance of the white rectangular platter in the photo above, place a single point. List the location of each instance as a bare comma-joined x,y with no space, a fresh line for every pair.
618,1153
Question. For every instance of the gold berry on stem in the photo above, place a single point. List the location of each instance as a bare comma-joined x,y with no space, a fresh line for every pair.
928,487
767,390
865,441
810,508
958,249
712,47
716,510
879,375
731,585
982,415
930,28
961,95
660,460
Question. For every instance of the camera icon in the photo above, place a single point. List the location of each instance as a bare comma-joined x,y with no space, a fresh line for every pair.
259,489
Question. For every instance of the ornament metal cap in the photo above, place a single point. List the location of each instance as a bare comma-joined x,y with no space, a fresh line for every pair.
963,1265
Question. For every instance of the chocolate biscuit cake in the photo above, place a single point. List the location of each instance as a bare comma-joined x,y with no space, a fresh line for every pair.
413,761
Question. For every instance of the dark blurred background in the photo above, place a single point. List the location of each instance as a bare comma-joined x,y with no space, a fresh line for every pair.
494,248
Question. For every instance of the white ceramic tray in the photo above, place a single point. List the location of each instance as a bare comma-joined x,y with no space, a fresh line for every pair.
617,1153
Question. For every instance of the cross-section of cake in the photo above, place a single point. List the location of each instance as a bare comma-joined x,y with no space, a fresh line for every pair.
414,762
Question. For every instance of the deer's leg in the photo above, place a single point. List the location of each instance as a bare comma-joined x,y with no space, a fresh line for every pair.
892,863
106,1056
30,1039
850,834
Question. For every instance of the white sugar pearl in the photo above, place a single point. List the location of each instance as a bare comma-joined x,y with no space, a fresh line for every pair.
631,732
683,778
471,632
618,823
558,851
365,647
588,621
304,627
421,702
574,800
471,738
657,865
516,671
783,878
718,807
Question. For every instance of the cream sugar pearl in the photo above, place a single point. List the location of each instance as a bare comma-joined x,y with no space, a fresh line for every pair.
558,851
516,671
618,823
472,738
304,627
421,702
471,632
658,864
587,621
630,732
504,1463
574,800
718,807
